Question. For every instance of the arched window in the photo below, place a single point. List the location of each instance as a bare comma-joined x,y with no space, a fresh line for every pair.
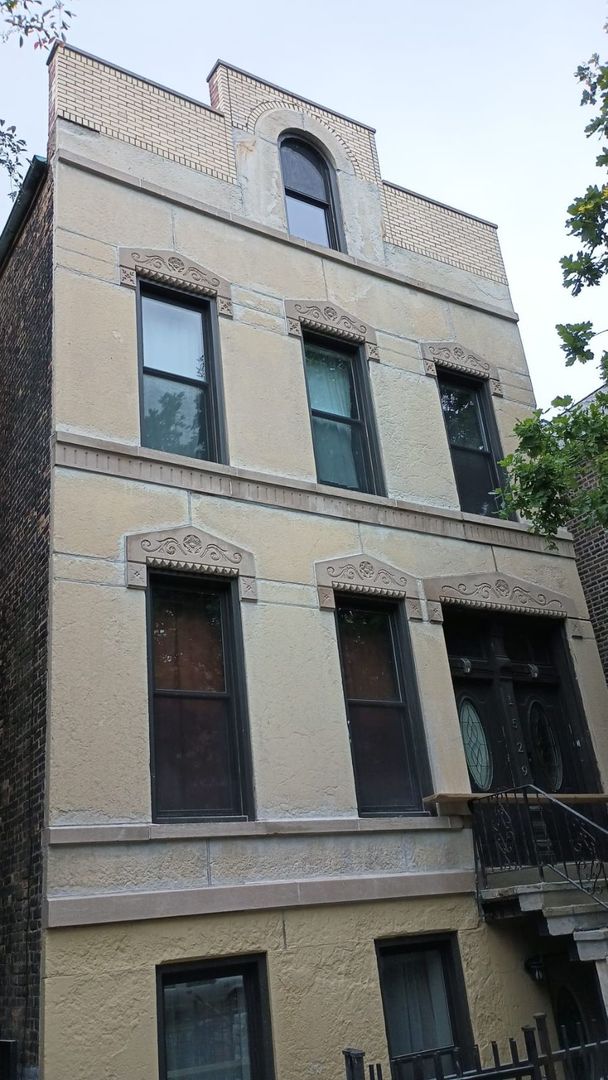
308,193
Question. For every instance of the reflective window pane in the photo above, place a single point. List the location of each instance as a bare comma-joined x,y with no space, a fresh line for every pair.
460,406
307,221
367,654
175,417
416,1001
339,453
187,641
206,1029
303,170
193,755
475,480
329,376
173,338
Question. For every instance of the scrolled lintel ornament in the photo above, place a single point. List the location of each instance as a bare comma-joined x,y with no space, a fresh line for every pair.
179,271
189,549
365,575
456,357
498,592
327,318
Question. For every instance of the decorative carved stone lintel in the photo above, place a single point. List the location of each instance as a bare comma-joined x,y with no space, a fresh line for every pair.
327,318
451,355
170,268
363,574
498,592
188,549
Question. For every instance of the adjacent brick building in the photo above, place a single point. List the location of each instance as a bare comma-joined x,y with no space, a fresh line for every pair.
264,637
591,547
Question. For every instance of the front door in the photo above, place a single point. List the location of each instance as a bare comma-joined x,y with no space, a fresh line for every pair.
519,717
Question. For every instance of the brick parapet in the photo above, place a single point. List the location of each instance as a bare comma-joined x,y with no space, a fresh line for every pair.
25,425
117,103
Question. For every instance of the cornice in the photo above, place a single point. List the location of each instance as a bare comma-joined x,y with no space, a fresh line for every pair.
137,463
456,357
327,318
174,269
364,574
497,592
189,549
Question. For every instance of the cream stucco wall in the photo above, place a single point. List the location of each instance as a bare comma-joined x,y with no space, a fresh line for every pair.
100,990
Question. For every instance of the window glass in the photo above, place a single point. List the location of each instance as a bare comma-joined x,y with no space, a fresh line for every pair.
211,1025
339,453
416,1001
173,339
175,417
196,768
462,418
330,381
473,458
476,479
367,649
303,170
340,434
188,649
384,759
307,221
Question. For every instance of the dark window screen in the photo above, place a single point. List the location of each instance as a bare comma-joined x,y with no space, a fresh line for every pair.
472,456
195,737
379,728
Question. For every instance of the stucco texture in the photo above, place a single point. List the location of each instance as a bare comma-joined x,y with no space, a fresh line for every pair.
100,994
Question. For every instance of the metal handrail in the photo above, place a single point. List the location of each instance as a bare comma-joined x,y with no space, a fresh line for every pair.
514,832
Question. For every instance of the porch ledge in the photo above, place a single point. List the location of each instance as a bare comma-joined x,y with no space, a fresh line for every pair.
458,803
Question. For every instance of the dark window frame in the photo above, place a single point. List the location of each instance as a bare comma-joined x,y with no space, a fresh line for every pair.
253,966
234,663
333,216
216,415
456,990
375,483
410,698
494,452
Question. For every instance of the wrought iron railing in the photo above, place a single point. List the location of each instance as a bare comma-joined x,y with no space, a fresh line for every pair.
526,827
582,1058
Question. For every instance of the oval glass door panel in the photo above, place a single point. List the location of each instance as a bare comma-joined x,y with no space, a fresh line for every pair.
545,748
476,747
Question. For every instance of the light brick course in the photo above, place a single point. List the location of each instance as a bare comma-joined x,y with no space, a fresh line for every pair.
93,94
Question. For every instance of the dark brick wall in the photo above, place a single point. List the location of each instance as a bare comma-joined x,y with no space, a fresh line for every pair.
591,547
25,422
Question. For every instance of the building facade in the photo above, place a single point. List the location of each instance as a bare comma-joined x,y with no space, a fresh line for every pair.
264,632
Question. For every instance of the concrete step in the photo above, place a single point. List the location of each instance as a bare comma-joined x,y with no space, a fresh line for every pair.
569,918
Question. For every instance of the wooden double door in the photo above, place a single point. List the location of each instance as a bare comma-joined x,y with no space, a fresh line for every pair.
519,713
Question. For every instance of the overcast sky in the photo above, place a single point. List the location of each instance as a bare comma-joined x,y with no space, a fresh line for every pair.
473,101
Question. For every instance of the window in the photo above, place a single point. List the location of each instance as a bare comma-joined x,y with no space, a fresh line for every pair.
214,1021
308,193
197,706
179,412
424,999
473,443
343,432
388,761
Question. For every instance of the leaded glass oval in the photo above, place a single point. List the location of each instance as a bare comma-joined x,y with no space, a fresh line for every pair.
546,747
476,747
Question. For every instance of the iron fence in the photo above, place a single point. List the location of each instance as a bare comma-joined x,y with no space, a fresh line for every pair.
584,1058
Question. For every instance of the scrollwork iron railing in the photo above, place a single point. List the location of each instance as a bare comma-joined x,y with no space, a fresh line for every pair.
526,827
